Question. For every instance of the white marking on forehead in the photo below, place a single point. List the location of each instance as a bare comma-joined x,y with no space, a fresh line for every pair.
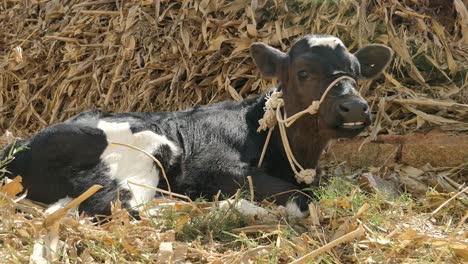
347,88
331,42
126,164
337,72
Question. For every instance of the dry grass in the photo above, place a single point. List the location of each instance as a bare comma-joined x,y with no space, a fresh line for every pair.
391,227
58,58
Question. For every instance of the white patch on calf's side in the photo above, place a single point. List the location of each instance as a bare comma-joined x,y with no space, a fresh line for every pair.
126,164
331,42
59,205
294,211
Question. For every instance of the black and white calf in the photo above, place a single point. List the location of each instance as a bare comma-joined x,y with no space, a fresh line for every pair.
208,148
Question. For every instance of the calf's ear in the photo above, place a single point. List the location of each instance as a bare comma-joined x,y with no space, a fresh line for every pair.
373,59
268,59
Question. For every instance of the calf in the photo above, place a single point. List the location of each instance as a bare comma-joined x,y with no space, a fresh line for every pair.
209,148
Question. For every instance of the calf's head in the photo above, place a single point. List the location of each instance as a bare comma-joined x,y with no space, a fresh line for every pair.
310,66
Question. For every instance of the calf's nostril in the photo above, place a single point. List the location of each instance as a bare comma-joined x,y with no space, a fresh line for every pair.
343,108
365,108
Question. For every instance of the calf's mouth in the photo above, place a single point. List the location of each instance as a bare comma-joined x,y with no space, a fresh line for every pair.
353,125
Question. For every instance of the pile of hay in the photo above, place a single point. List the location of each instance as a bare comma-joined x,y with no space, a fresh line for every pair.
58,58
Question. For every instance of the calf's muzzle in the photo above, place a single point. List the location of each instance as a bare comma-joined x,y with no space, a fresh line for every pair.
354,113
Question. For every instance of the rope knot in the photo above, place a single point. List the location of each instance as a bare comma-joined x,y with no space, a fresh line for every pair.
306,176
313,108
274,101
268,121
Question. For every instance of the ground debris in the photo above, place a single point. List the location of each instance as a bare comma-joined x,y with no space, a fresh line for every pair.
347,223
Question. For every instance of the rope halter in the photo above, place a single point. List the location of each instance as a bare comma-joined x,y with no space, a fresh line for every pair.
272,116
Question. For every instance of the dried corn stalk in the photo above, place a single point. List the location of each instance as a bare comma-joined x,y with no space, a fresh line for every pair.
62,57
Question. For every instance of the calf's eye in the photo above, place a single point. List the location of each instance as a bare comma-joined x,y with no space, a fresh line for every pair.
302,75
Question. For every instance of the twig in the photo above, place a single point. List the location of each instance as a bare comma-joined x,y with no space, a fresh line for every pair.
361,210
161,191
462,221
350,236
64,39
93,3
449,200
289,191
251,188
60,213
27,209
100,12
431,102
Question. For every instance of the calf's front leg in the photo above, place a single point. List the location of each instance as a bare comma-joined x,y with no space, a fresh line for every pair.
285,193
